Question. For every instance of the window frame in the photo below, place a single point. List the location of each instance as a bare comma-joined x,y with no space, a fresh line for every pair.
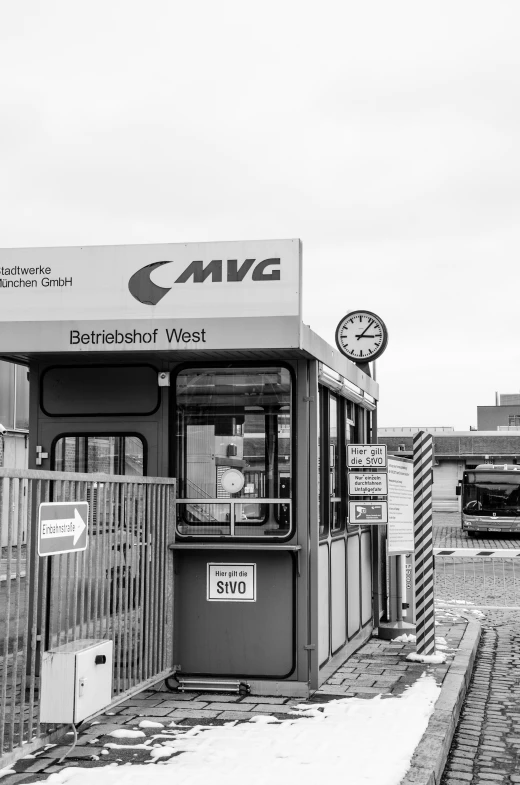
94,434
174,451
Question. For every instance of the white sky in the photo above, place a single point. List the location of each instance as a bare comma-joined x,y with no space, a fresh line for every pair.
384,134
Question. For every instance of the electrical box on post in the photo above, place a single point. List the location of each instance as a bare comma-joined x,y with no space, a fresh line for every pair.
76,681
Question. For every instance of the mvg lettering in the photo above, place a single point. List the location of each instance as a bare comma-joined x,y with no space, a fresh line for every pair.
216,271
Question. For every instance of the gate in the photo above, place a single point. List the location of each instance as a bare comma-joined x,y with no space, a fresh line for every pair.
119,588
478,578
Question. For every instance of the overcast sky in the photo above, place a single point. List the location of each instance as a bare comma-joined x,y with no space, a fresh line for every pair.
386,135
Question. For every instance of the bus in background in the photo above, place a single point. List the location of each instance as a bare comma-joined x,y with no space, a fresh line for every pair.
490,499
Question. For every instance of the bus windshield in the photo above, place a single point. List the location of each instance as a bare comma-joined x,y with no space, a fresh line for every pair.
485,494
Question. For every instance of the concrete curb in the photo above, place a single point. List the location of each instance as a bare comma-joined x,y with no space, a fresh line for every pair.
431,754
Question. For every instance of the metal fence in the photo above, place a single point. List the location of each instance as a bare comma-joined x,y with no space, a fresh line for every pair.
478,578
119,588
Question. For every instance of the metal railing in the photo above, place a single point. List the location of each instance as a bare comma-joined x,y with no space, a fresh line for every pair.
119,588
478,578
227,513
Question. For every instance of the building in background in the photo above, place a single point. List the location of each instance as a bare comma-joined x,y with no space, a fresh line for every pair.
503,416
454,452
14,415
14,430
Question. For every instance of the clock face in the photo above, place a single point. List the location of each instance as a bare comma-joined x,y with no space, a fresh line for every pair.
232,481
361,336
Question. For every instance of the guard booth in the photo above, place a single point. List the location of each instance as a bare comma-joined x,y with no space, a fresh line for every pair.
192,361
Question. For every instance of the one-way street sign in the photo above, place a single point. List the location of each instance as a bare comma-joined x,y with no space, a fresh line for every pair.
62,527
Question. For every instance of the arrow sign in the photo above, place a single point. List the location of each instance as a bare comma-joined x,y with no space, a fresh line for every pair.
62,527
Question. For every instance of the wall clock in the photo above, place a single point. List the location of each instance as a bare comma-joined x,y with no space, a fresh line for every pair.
361,336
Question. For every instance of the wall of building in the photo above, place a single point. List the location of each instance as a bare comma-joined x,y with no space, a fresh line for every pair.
490,417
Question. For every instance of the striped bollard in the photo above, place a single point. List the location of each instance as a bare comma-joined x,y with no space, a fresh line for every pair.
423,536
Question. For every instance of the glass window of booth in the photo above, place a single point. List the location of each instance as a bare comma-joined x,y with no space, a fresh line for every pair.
341,422
99,454
335,484
104,454
234,451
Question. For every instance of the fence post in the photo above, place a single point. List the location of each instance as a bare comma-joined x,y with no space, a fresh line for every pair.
423,535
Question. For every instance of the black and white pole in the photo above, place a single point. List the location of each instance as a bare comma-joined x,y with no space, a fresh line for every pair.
423,535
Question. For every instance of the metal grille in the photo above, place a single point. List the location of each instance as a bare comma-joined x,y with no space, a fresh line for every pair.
478,578
118,589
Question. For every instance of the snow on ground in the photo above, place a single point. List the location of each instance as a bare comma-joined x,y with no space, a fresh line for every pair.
429,659
369,742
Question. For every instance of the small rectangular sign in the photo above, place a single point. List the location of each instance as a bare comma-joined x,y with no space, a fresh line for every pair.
367,484
367,512
231,582
62,527
364,456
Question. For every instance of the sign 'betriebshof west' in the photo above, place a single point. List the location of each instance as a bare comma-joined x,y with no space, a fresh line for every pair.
142,297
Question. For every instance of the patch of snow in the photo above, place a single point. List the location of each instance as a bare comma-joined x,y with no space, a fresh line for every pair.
430,659
150,724
264,719
6,772
404,638
338,737
164,751
111,745
126,733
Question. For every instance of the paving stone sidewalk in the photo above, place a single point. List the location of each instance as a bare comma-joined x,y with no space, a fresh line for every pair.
378,668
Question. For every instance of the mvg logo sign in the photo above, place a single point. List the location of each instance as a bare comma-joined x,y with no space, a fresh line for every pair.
146,291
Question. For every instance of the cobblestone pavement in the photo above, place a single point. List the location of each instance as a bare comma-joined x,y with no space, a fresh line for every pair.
486,746
447,533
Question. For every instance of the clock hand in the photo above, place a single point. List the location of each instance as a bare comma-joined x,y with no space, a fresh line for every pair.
366,328
365,336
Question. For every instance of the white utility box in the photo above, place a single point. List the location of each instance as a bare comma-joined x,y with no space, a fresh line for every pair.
76,681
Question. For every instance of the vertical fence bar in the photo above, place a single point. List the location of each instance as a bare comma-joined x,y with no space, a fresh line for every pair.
102,540
148,604
153,577
423,535
28,545
118,577
169,534
143,552
90,559
34,561
110,562
128,586
8,615
14,669
42,637
96,530
164,553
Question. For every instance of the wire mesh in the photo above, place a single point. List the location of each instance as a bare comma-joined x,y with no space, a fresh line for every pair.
478,581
